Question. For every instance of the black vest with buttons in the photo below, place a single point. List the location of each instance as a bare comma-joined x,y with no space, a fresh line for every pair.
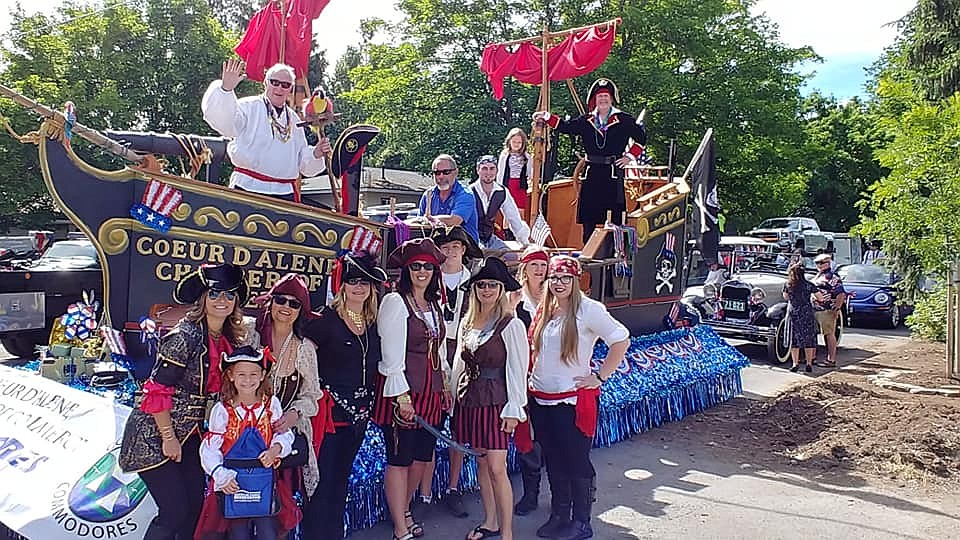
485,219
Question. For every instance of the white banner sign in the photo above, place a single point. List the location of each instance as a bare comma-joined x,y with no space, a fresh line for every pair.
59,477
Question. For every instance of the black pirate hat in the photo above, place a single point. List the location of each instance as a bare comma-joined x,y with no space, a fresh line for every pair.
444,235
602,85
495,269
260,357
215,277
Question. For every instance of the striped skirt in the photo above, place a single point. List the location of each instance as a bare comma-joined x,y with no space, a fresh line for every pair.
479,427
428,405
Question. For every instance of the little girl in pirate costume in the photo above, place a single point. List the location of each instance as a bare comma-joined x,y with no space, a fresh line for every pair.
566,393
240,429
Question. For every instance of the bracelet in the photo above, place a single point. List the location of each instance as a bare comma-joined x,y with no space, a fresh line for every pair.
404,399
599,378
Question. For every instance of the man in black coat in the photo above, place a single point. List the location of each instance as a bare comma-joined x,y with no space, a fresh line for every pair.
605,132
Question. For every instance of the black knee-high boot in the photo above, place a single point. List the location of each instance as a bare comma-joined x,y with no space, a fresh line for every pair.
530,474
583,491
561,504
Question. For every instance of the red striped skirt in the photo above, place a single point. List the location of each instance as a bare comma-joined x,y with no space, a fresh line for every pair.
428,405
479,427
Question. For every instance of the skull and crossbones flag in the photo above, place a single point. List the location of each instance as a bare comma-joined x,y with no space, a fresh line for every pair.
702,173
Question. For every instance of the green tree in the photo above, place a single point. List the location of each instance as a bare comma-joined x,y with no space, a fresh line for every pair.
124,68
932,45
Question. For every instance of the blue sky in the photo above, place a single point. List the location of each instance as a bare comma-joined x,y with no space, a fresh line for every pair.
848,34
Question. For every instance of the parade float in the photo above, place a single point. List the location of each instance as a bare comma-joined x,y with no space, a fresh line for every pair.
151,226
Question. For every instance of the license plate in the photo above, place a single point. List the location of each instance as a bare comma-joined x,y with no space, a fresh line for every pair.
735,305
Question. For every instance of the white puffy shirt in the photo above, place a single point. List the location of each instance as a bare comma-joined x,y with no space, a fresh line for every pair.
254,147
553,375
211,456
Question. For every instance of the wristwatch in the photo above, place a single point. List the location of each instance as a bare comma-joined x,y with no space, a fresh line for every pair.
599,378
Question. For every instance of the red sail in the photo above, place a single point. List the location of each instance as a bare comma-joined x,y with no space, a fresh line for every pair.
578,54
260,46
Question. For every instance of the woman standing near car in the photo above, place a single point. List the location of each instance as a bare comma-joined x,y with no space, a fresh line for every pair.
797,291
161,439
414,375
347,334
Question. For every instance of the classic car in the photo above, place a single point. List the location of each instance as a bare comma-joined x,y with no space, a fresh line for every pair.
872,295
748,304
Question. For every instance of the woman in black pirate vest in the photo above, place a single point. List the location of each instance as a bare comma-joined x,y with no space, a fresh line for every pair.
566,393
490,368
605,132
413,383
347,334
161,439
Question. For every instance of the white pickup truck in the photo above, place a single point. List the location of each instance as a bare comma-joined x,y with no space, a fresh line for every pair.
786,231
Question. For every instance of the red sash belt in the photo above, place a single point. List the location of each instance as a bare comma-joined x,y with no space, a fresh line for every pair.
323,421
264,178
586,407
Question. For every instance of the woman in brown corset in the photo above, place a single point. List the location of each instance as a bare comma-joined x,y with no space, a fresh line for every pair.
491,372
412,378
285,311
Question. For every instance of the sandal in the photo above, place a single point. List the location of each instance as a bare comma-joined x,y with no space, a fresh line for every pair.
826,364
415,529
408,536
484,533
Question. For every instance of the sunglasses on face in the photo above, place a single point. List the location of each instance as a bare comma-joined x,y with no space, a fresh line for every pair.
284,301
282,84
823,262
563,280
487,284
417,266
356,281
229,295
438,172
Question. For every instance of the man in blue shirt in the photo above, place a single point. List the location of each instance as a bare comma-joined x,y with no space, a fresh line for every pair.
450,202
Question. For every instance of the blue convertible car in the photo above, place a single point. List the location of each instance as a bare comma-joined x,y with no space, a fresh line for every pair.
874,295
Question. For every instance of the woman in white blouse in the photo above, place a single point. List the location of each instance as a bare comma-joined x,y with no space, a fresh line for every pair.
490,368
566,393
413,378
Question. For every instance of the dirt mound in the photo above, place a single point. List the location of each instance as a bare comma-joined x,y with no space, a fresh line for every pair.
844,424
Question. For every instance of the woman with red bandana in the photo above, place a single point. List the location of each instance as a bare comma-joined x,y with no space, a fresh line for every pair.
566,393
161,439
413,376
605,132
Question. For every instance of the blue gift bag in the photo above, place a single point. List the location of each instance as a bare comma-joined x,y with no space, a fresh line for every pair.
257,496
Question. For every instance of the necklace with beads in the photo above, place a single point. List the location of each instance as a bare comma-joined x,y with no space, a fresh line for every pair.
356,318
281,131
432,331
281,357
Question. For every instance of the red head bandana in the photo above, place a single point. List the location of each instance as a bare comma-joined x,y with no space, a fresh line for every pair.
424,259
564,265
535,256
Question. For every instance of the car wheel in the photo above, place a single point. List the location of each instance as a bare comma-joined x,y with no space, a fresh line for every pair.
841,323
895,317
778,345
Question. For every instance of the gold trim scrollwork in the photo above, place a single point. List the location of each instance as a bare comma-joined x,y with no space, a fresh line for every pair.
182,212
643,231
114,236
667,217
277,229
326,238
228,221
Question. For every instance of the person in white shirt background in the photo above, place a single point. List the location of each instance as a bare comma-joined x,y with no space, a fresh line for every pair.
492,199
566,393
268,151
872,255
716,275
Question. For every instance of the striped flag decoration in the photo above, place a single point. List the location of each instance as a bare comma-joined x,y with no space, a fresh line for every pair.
159,201
365,241
114,340
540,231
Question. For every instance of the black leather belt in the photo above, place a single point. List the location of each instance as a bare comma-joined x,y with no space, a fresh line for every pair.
602,160
492,373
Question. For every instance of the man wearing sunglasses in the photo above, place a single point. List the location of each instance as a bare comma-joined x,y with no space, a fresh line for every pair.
449,202
268,151
492,199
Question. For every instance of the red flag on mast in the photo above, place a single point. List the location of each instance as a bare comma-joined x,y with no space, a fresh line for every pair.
578,54
260,46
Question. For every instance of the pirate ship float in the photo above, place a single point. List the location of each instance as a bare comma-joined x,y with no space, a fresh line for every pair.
151,227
